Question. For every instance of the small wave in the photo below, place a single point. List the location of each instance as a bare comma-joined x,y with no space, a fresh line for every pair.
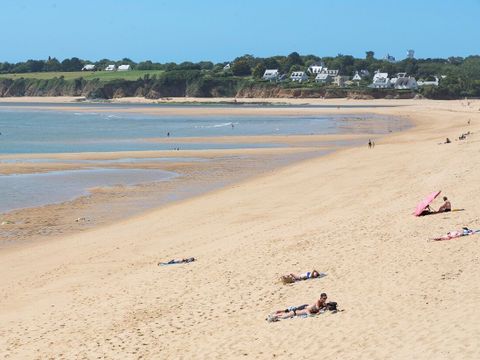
215,125
84,113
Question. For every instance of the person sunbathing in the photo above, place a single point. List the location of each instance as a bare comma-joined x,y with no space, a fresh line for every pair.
317,307
178,261
457,233
446,207
291,278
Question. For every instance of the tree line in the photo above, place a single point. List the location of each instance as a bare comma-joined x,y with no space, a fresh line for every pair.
460,76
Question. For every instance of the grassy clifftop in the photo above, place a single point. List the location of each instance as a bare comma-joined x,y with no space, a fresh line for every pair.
87,75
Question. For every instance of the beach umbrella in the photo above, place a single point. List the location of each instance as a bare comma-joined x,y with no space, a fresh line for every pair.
425,202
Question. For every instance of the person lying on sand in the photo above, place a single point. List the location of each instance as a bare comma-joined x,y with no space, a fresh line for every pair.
318,306
446,207
291,278
457,233
178,261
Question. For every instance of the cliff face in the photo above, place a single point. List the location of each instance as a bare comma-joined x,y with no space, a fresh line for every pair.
180,85
34,87
274,91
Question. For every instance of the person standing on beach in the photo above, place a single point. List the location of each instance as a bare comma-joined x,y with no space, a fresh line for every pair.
369,143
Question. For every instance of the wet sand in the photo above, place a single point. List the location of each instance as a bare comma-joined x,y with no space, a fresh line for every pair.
105,205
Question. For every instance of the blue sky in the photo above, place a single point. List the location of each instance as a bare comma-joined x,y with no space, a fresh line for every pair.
216,30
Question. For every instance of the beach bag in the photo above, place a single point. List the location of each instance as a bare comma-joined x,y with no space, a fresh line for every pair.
332,306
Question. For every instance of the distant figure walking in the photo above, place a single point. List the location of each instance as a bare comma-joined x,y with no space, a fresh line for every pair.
369,143
168,134
233,126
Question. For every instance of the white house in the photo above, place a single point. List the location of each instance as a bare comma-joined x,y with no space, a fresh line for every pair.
428,82
227,67
359,75
323,78
124,68
406,83
380,81
111,67
271,74
88,67
332,73
397,77
356,77
315,69
299,76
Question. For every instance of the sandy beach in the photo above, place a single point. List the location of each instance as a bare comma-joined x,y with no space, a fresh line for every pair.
100,293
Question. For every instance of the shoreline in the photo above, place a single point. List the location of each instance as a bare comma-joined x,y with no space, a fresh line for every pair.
347,214
41,223
48,222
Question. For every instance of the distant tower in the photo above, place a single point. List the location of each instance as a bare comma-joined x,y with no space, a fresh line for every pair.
410,54
389,58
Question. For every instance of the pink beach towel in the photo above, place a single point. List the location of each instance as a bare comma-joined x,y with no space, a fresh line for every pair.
456,233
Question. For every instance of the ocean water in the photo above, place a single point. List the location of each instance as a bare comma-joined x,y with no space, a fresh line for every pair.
30,131
42,131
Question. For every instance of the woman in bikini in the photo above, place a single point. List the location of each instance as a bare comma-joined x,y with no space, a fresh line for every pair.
291,278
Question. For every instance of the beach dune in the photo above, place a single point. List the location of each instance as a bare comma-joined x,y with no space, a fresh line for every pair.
100,294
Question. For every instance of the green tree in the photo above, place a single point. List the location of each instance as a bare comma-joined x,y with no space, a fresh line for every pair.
206,65
52,64
271,63
259,70
241,68
73,64
295,67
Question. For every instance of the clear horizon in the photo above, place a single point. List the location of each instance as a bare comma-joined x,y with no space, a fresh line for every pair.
219,31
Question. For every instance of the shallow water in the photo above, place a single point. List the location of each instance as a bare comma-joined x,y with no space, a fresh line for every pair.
102,161
37,189
44,131
41,131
